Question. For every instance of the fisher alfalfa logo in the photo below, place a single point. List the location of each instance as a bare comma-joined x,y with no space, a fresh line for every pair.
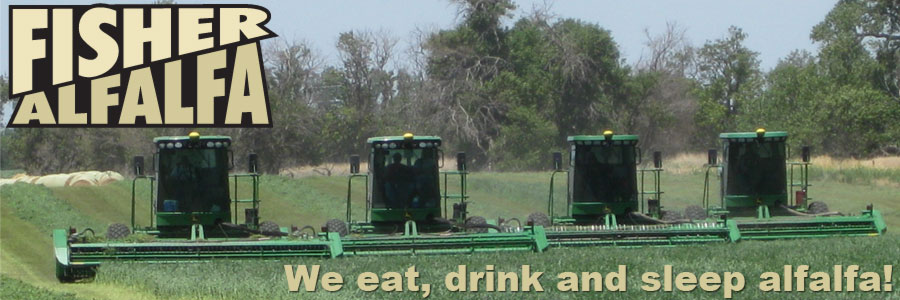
138,66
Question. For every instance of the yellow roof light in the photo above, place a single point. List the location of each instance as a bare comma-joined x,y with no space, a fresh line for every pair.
607,134
408,136
760,132
194,135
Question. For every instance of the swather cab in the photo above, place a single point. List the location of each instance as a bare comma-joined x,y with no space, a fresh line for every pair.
768,196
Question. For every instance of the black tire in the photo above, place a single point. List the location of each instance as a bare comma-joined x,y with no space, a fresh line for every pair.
269,227
476,224
670,215
538,219
117,231
695,212
817,207
335,225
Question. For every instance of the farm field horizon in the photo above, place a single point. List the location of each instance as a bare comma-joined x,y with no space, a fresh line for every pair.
29,212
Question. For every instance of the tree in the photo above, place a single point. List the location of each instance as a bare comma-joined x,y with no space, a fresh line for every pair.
364,84
857,121
728,73
861,43
536,82
860,56
791,100
668,103
461,62
589,77
669,52
292,74
4,99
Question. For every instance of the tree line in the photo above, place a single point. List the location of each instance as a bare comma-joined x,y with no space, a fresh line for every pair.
508,93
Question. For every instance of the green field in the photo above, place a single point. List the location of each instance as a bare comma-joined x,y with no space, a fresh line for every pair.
30,212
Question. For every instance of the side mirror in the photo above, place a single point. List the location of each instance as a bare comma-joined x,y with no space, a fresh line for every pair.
155,162
354,164
657,159
230,160
557,161
138,163
639,154
461,161
712,157
805,154
252,163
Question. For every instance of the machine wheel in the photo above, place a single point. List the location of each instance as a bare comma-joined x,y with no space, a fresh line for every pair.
670,215
538,219
335,225
269,227
117,231
695,212
817,207
476,224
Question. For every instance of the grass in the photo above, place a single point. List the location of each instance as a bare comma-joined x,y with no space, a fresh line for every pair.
266,279
39,206
29,213
858,175
15,289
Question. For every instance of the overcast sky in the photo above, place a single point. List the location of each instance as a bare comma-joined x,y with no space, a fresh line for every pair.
775,28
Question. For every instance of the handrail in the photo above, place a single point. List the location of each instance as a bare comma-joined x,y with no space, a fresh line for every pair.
134,196
804,181
349,196
657,191
462,186
254,185
446,190
706,185
254,200
550,204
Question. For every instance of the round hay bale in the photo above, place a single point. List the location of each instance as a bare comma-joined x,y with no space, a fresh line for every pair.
91,175
27,179
80,179
55,180
108,177
115,175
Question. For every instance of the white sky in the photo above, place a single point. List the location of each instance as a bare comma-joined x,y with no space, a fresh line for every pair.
775,28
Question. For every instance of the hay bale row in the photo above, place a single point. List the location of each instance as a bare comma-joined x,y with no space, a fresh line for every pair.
85,178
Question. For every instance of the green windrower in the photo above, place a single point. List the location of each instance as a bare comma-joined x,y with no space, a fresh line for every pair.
769,197
193,215
611,203
410,209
